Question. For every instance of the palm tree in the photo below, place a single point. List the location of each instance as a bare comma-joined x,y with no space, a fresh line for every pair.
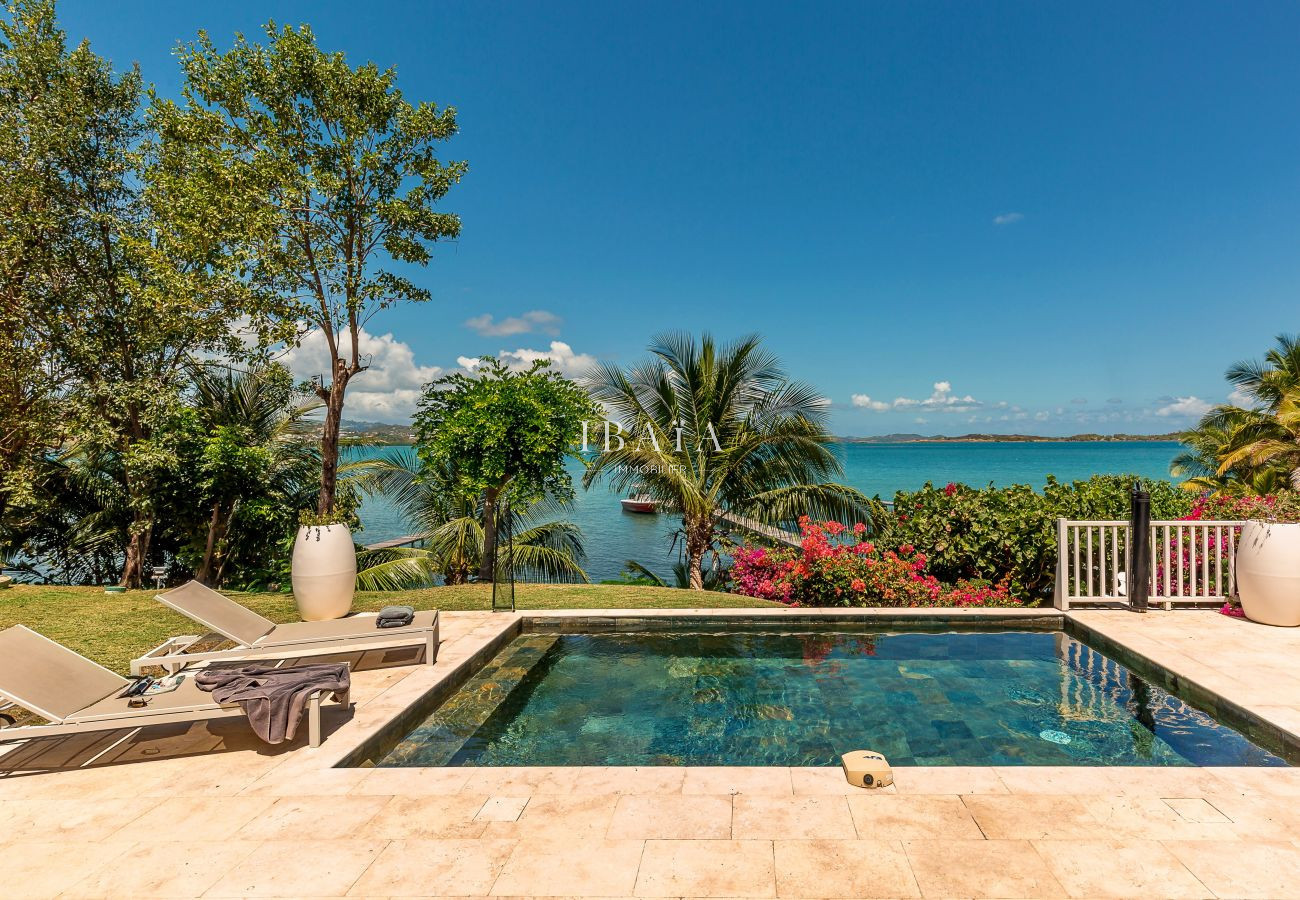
1253,446
545,549
266,434
1208,444
714,428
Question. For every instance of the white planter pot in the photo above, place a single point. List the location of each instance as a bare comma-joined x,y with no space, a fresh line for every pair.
1268,572
324,572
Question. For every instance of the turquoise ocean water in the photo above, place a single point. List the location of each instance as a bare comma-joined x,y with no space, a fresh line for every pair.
612,536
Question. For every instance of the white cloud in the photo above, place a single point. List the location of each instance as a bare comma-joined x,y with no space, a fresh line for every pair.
862,401
942,399
561,355
1242,398
387,391
538,320
1010,218
1185,406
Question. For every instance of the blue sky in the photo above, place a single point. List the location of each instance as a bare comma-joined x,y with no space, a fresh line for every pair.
1044,218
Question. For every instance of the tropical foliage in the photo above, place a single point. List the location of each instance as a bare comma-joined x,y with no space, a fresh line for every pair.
1253,448
706,428
225,506
450,516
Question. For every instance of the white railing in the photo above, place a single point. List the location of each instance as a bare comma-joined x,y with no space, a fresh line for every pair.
1191,562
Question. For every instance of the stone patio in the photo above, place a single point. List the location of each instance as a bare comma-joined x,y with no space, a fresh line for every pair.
209,812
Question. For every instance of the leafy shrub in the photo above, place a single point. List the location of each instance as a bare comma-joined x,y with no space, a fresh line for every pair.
1009,534
837,566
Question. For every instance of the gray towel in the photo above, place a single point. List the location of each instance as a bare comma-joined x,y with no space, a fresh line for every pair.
273,699
395,616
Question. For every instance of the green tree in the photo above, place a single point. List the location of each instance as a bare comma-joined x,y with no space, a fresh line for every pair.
326,176
709,428
117,301
437,505
501,430
34,103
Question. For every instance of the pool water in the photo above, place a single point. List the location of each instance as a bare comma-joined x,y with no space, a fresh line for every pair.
804,698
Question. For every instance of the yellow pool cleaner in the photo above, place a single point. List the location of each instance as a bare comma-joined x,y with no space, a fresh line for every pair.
867,769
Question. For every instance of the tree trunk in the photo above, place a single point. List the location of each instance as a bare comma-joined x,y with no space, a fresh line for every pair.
487,563
216,533
329,440
137,551
699,531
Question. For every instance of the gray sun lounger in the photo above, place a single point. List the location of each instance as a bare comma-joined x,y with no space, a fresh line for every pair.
256,636
78,695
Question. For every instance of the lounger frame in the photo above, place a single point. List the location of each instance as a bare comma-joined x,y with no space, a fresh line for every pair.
172,656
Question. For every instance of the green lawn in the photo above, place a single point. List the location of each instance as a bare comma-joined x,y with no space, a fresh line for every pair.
113,628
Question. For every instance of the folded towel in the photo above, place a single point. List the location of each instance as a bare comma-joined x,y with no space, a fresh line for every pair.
395,616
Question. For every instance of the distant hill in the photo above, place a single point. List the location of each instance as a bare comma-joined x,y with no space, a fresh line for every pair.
381,433
1000,438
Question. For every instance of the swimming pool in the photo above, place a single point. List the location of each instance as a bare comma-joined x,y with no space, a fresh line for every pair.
802,698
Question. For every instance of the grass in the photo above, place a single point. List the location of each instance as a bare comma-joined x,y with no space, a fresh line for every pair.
113,628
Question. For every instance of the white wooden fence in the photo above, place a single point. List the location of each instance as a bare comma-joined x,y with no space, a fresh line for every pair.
1191,562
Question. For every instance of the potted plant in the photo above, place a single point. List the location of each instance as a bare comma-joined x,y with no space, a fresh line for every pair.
1268,562
324,571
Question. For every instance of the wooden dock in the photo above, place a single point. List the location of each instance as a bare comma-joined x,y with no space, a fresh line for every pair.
406,540
771,532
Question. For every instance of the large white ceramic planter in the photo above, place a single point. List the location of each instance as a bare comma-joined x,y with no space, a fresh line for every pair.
1268,572
324,572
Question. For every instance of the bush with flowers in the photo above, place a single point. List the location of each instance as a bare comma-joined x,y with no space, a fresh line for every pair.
1284,506
838,566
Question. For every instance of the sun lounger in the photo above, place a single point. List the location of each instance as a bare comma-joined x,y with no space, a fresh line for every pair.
256,636
77,695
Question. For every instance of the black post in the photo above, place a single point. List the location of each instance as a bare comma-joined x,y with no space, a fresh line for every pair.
1139,549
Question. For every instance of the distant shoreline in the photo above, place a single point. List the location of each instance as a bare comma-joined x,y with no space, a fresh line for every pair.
1006,439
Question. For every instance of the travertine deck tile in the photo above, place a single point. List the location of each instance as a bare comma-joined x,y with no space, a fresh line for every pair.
165,868
1127,869
453,867
903,817
707,869
671,817
587,869
298,869
1030,817
182,818
412,782
35,869
966,868
501,809
843,869
772,818
1254,869
738,780
948,780
324,818
431,816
